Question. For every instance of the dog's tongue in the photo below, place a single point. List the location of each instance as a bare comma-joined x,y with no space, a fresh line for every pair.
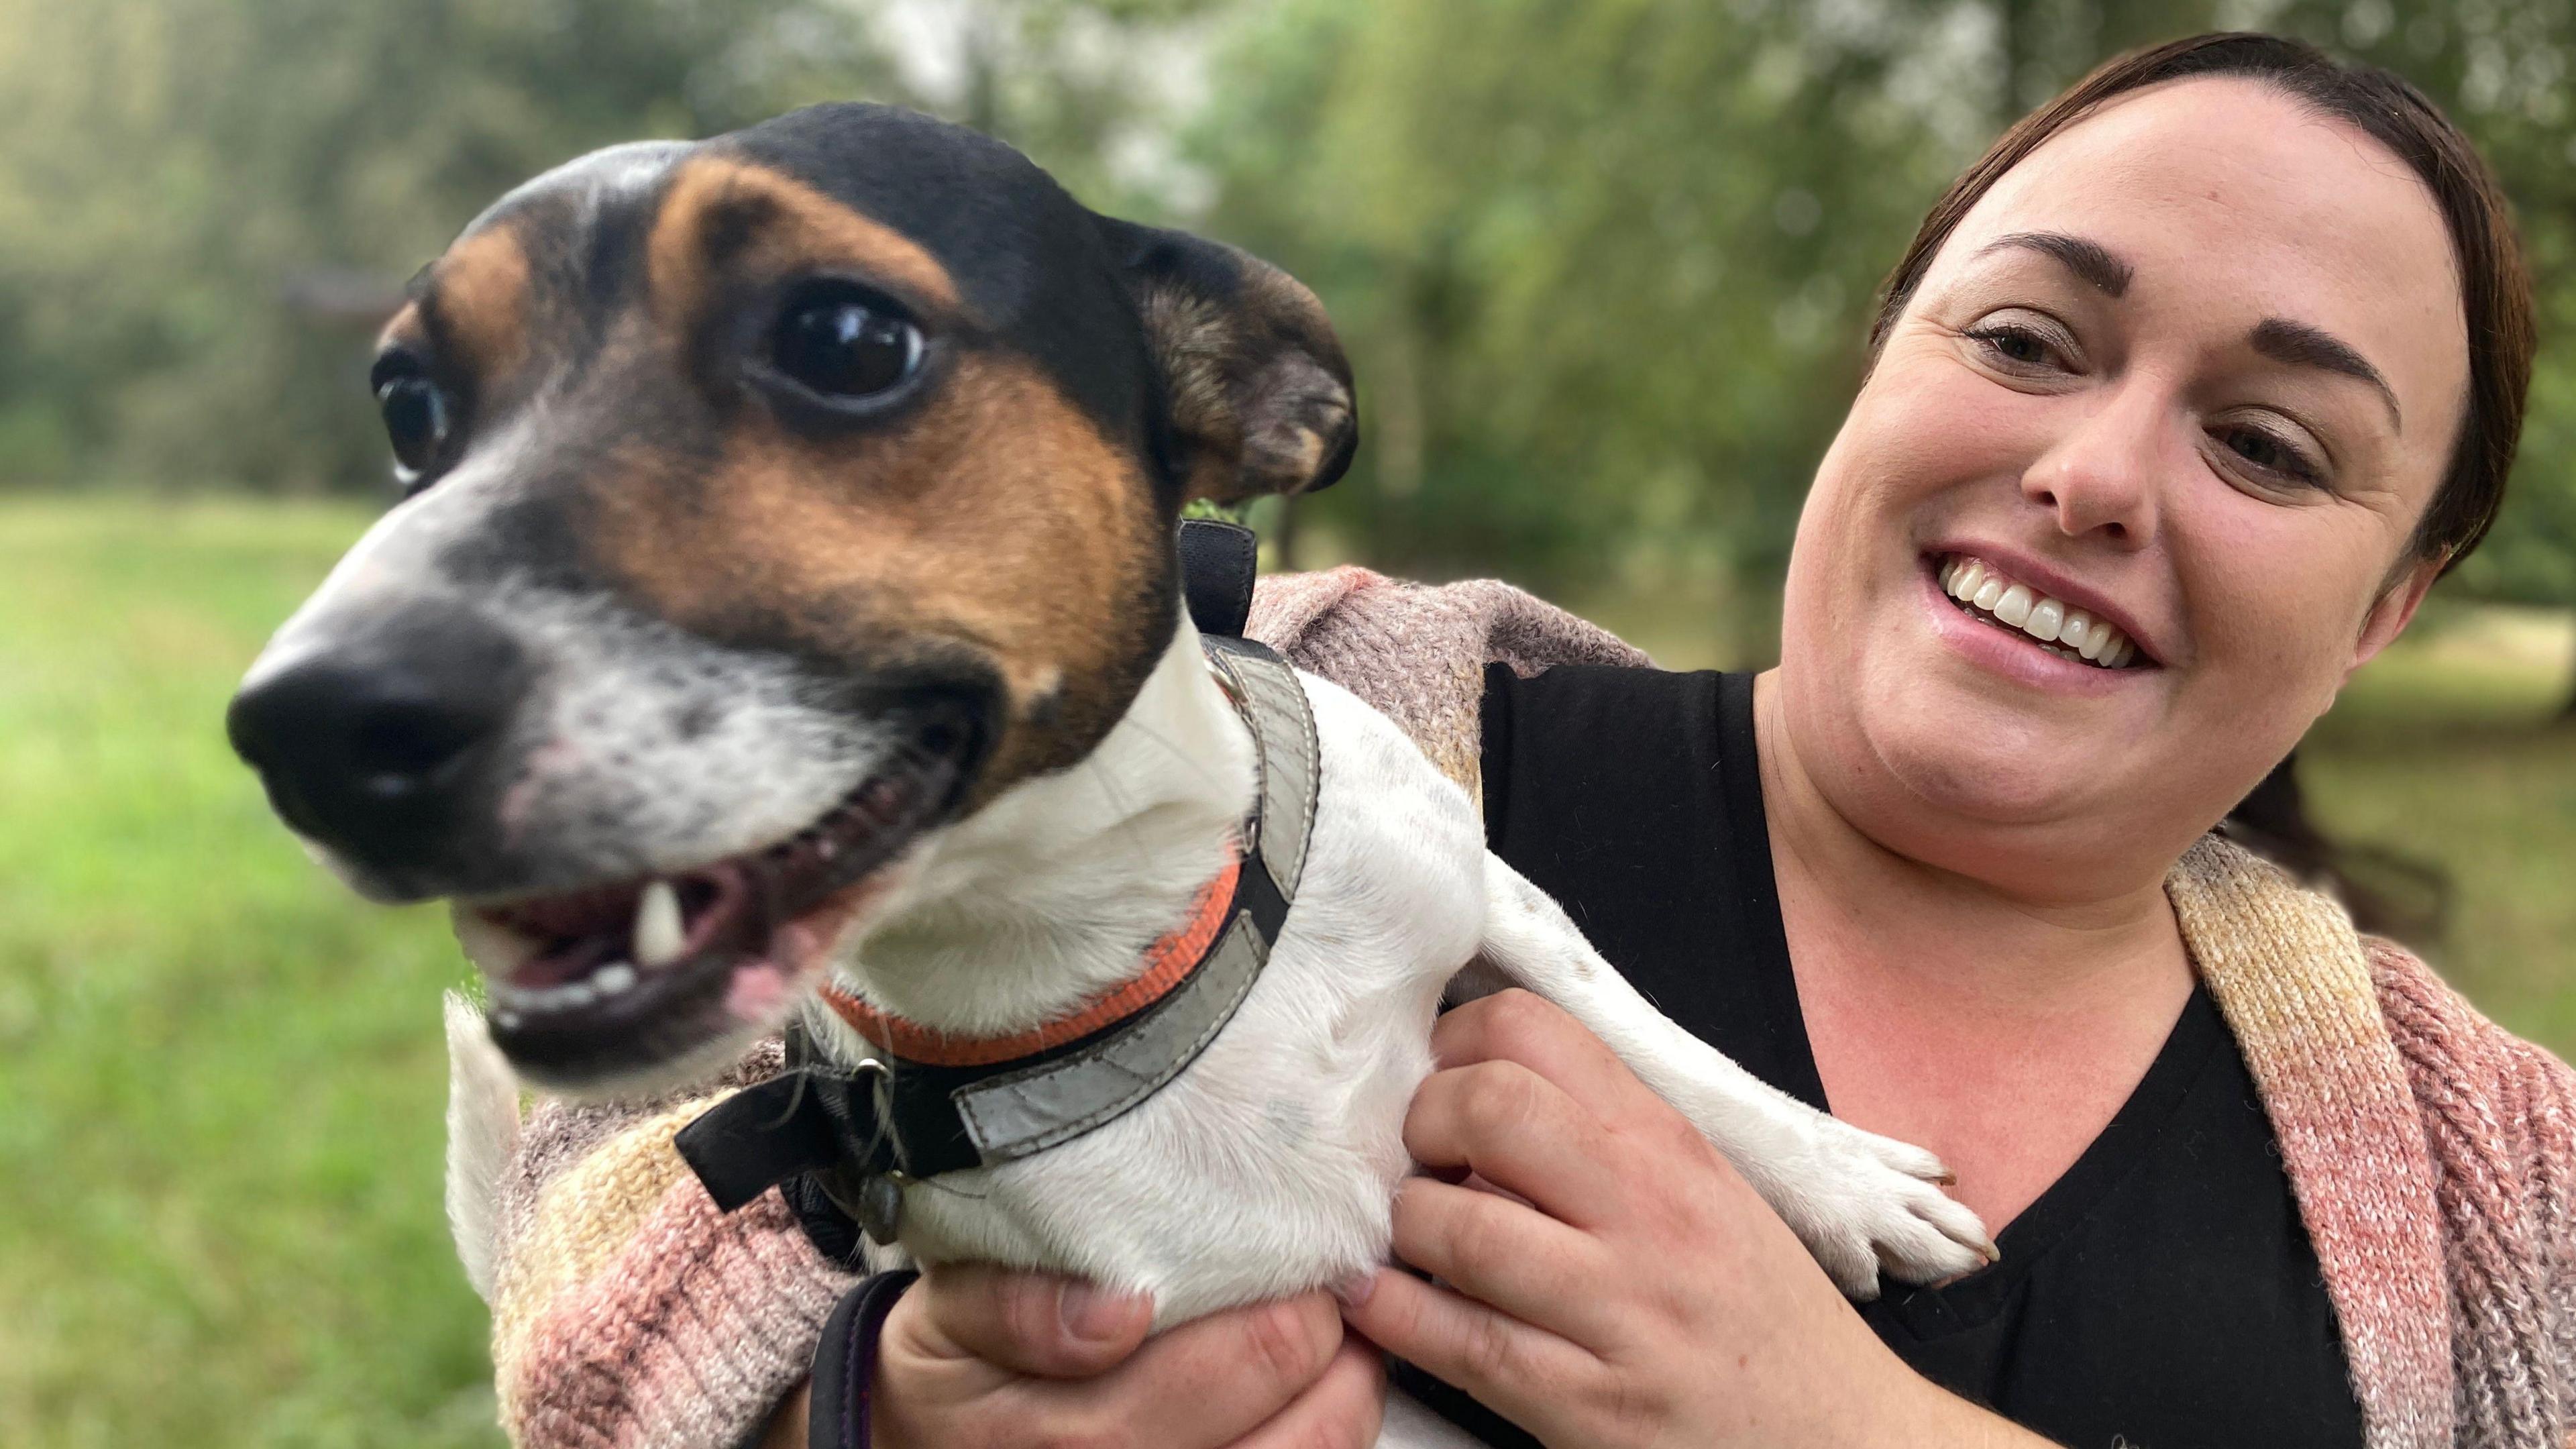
584,930
581,913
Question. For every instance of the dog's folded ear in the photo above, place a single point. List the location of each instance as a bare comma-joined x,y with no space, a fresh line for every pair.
1259,394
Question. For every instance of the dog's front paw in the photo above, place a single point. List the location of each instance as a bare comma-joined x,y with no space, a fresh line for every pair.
1872,1202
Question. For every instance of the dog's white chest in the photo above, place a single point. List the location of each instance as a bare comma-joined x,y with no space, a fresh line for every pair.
1265,1169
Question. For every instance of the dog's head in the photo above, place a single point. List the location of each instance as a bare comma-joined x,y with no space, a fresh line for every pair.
771,501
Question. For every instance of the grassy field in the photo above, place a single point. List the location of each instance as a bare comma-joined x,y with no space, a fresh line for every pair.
220,1079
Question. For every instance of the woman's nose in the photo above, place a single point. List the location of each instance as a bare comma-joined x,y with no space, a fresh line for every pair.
2101,477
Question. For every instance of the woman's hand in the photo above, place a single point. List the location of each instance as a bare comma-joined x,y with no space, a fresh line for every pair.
975,1356
1624,1285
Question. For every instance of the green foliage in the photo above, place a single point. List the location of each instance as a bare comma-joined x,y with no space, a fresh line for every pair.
1603,269
204,204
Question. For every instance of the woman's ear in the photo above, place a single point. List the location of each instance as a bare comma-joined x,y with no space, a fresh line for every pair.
1256,387
2393,610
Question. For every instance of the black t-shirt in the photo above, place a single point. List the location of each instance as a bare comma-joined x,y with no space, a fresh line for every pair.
2161,1294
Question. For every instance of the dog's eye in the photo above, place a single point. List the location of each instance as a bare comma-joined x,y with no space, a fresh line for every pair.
844,342
416,418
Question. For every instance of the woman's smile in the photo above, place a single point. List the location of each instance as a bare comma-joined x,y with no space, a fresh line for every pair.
2062,627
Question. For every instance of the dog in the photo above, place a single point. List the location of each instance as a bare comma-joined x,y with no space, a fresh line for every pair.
781,622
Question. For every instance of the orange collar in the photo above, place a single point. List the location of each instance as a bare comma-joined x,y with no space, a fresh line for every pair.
1168,962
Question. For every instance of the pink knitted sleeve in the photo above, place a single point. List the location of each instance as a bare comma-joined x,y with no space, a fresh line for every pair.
628,1311
2500,1122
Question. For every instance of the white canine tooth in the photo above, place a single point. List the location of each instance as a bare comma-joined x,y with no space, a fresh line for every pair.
2127,651
1963,584
2098,640
1988,592
2073,630
2013,606
614,978
2045,618
659,935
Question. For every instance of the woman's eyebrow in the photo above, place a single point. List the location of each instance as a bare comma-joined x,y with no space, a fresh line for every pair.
2301,345
2089,260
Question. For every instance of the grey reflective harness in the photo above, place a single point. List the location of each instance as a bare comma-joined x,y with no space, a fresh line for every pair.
862,1133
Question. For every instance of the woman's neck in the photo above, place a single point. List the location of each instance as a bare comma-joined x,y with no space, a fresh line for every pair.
1932,934
2002,1030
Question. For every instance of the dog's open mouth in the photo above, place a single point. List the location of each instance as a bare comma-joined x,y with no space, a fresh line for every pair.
632,976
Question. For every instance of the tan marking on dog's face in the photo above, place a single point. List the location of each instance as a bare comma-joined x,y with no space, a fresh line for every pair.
731,215
997,522
987,519
479,291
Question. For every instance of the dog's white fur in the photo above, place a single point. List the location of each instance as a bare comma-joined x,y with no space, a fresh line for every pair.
1267,1167
482,1128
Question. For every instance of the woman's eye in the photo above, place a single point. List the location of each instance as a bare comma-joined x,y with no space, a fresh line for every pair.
2271,454
846,343
2016,347
416,419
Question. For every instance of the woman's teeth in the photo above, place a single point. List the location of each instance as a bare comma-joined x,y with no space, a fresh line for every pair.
2060,628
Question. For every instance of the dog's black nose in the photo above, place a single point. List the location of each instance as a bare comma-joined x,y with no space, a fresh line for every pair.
374,745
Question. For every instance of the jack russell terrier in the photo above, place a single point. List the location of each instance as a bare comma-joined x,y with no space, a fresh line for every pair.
782,621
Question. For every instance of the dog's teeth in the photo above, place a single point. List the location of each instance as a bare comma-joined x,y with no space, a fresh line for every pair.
506,1019
495,949
659,935
613,978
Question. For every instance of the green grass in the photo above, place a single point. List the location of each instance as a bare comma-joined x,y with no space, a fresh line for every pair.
220,1076
2449,750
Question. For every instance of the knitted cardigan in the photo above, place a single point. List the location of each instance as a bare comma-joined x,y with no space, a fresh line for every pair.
2433,1156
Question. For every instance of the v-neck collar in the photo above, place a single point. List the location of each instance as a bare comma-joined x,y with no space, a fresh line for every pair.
2120,1148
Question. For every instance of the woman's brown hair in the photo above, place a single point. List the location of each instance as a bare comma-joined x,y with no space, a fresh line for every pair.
2495,291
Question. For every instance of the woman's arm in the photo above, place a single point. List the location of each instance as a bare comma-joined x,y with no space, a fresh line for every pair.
1610,1279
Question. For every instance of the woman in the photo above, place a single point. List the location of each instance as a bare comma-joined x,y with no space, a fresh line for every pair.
2180,401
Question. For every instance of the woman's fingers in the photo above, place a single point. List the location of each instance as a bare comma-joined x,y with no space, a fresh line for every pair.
1521,1026
1032,1323
1215,1379
1513,1368
1341,1410
1514,1128
1500,1253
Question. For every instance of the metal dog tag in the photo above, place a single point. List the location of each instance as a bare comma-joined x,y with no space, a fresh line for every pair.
880,1207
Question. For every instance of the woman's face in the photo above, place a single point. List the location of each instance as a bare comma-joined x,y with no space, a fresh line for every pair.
2189,372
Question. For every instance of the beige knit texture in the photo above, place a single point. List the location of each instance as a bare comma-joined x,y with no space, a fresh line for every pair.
2430,1152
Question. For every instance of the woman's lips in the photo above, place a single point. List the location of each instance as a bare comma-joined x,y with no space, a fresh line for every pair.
2064,629
2000,648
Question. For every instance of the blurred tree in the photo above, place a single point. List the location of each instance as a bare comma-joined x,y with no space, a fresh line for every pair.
1604,268
205,203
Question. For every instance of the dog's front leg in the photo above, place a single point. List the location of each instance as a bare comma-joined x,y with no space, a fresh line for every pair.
1858,1201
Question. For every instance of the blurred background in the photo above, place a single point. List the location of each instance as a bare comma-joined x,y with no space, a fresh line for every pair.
1603,269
